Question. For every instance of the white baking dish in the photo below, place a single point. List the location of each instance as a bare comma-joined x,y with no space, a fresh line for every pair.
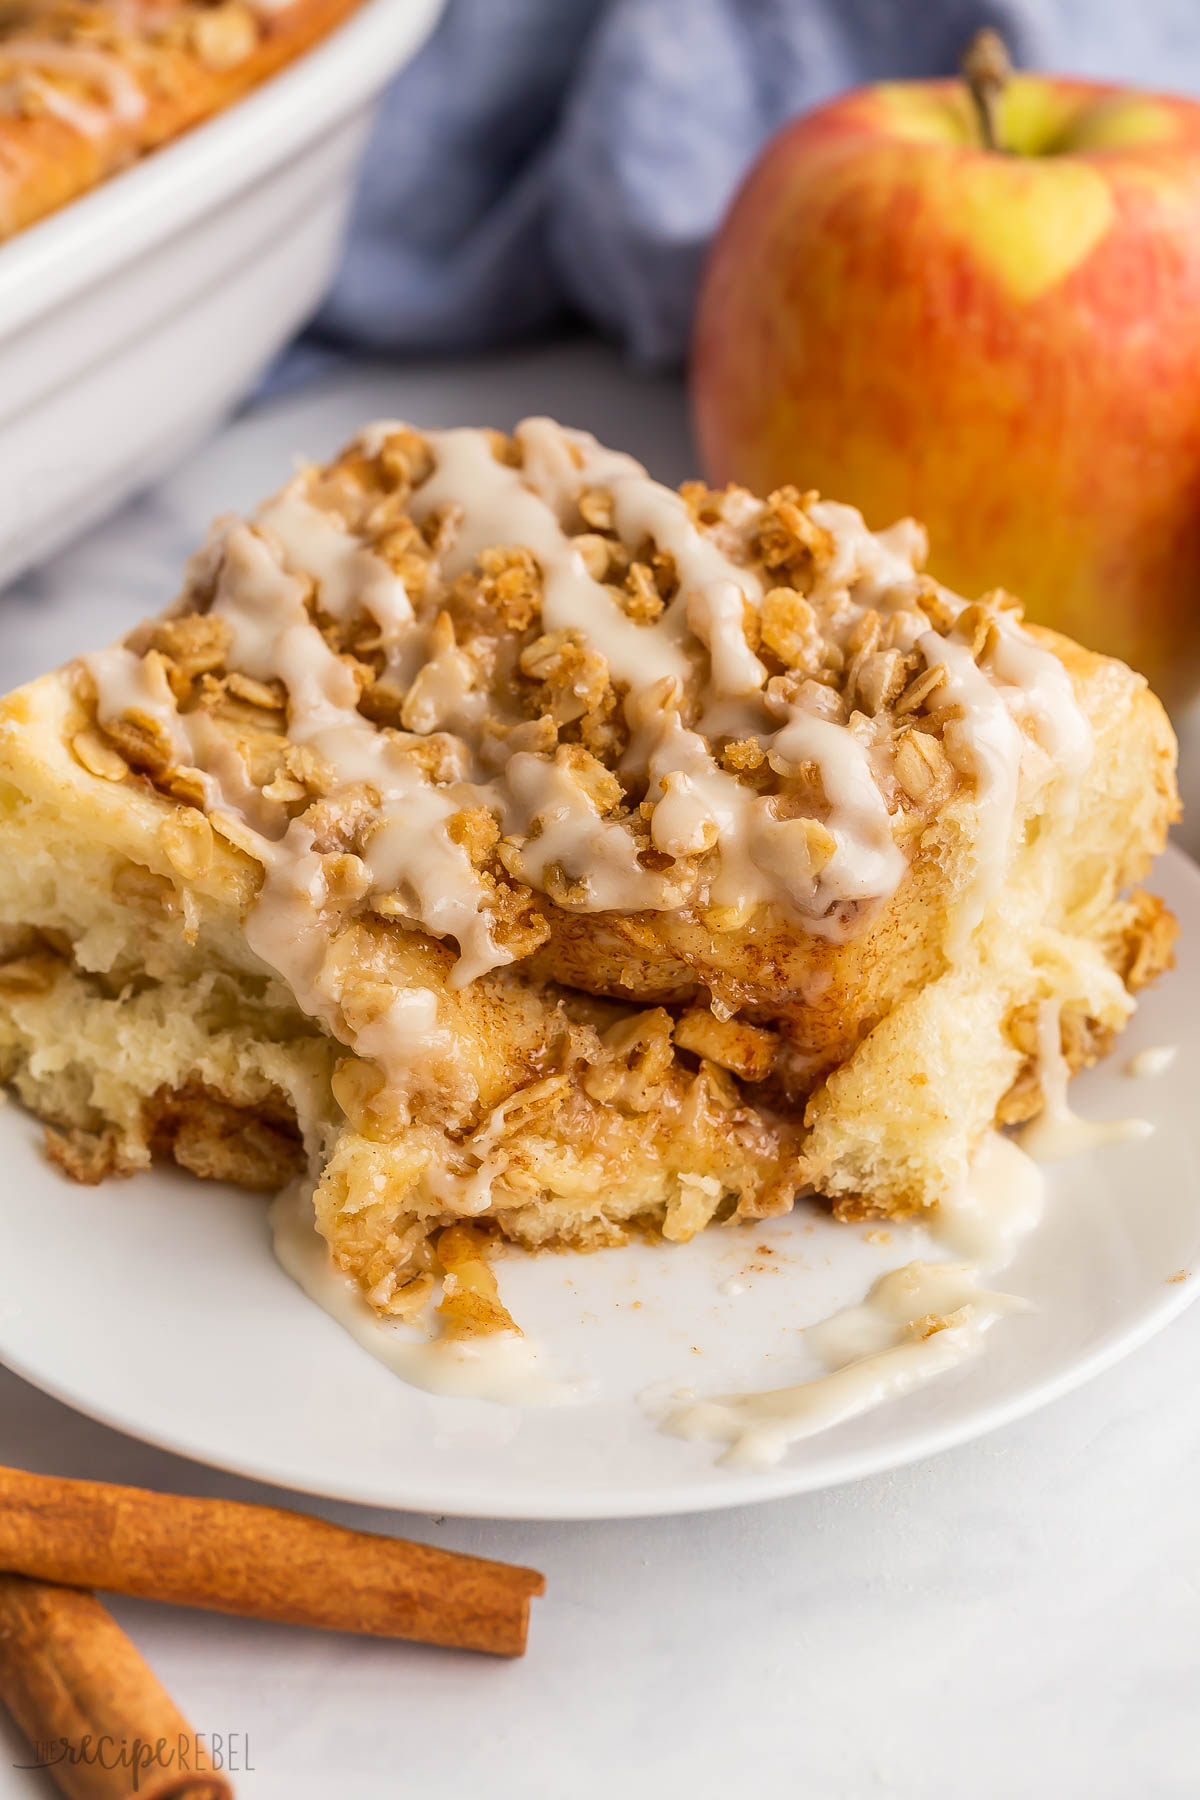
134,318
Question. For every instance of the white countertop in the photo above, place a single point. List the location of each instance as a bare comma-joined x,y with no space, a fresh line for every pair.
1018,1617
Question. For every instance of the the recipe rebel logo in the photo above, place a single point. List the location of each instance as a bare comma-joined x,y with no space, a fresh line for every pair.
214,1752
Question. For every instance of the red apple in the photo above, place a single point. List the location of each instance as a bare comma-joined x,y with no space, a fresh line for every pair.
1003,342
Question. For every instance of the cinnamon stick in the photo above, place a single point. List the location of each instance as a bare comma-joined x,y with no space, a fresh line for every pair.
260,1562
94,1714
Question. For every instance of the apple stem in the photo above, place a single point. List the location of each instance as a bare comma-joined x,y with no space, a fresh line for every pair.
986,67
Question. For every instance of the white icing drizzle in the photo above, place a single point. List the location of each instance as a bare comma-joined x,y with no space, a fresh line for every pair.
127,683
1037,690
504,1366
502,505
729,845
898,1302
869,863
123,101
1057,1131
410,852
571,834
314,542
982,741
715,614
872,561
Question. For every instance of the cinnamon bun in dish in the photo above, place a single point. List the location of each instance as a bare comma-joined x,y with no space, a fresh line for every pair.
87,86
509,845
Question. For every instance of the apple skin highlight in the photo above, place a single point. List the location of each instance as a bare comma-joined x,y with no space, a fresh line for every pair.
1006,345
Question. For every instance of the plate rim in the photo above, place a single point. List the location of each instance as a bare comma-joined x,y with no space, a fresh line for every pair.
785,1482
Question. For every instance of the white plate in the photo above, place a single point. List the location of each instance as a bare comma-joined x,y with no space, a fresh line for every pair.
155,1305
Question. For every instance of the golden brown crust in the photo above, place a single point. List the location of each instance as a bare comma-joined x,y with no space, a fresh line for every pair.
255,1147
188,61
88,1157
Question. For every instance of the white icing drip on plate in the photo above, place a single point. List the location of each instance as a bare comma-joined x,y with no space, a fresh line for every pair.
875,1351
503,1366
123,101
1156,1059
915,1323
999,1202
918,1321
1057,1131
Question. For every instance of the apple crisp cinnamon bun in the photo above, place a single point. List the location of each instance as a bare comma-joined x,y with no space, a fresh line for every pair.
505,841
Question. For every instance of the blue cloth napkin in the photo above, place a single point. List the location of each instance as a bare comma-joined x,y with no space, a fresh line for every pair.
548,157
